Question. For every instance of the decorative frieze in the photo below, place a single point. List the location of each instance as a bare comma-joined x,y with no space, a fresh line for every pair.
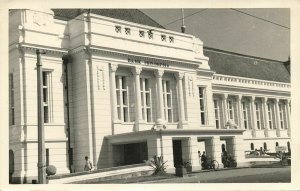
100,78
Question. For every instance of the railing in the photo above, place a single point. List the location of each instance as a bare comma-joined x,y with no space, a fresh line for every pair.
221,79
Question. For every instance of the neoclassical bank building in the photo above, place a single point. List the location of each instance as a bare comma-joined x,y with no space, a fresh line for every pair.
120,88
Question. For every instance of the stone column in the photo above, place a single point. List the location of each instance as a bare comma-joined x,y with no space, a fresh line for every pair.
195,160
238,146
217,150
224,103
288,115
179,77
253,116
160,100
240,111
138,108
276,101
265,116
113,69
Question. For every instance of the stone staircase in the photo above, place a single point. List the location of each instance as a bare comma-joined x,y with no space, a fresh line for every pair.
106,174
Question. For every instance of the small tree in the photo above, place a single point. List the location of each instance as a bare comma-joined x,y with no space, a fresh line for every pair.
158,165
50,170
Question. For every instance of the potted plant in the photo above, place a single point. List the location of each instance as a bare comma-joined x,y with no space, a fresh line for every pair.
188,166
180,170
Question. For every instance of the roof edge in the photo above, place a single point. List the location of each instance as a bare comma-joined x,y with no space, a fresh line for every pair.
242,55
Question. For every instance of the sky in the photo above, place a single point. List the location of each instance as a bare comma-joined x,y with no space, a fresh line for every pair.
233,31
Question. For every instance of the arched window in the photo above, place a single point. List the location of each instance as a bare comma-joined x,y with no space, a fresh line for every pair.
252,146
223,147
265,146
277,144
289,146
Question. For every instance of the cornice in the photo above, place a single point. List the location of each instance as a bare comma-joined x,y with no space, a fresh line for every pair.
32,48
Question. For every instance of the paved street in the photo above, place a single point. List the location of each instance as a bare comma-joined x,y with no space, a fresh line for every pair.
246,175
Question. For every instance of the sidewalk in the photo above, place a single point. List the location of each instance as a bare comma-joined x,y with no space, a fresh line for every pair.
232,175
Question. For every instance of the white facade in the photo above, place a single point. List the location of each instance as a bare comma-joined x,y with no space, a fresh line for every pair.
133,91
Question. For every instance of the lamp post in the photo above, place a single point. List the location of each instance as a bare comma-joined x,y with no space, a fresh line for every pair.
41,141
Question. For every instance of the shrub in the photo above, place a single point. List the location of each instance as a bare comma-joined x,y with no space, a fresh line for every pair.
158,165
50,170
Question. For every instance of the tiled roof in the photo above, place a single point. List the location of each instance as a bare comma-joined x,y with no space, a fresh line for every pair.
233,64
131,15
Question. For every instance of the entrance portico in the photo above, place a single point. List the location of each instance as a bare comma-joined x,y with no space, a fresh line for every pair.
176,146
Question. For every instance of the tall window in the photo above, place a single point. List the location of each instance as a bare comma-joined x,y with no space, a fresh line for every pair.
258,115
252,146
11,100
47,157
270,115
281,116
122,98
46,95
168,106
245,114
146,99
202,105
230,110
217,113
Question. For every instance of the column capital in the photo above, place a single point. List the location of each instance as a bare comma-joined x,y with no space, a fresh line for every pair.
137,70
287,101
179,75
276,99
159,73
113,67
239,97
264,99
252,98
225,95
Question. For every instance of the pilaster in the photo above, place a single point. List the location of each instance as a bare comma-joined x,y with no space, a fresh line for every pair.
160,118
276,102
253,116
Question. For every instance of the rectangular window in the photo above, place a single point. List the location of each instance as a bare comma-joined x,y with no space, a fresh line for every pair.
47,157
146,99
270,115
12,99
258,115
122,98
46,102
202,99
217,113
245,114
171,39
230,110
281,116
163,38
168,102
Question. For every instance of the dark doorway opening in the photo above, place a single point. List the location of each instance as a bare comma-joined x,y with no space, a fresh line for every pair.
177,152
131,153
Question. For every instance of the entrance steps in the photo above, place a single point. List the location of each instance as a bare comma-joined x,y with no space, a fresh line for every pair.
106,174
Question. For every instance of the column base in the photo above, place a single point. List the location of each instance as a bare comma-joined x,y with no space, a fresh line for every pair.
182,124
266,132
278,133
160,124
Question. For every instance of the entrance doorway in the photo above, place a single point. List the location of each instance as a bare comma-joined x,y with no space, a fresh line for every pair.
177,152
181,151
